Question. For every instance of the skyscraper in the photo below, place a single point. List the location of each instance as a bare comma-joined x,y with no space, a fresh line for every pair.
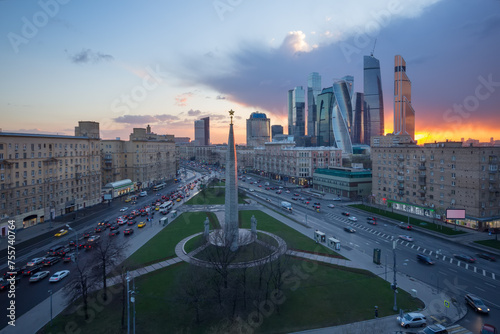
324,120
342,114
360,120
313,90
276,130
258,129
404,115
202,131
296,112
372,89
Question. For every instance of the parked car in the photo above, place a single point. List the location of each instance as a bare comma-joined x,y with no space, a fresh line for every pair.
435,329
39,276
465,258
406,238
61,233
424,259
476,303
412,319
487,256
488,329
349,229
128,231
58,276
352,218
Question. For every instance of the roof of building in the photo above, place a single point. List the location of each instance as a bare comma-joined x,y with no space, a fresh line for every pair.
258,115
345,172
118,184
39,135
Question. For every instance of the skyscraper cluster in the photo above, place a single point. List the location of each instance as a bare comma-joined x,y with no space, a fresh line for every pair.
338,116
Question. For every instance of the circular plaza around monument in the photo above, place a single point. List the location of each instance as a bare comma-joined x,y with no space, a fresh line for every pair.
190,257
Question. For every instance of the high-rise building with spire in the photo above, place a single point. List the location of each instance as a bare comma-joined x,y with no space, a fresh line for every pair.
404,115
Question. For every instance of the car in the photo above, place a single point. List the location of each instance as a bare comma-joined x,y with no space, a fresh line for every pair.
317,203
131,222
68,257
294,198
178,200
114,233
424,259
316,207
434,329
64,251
465,258
371,218
252,190
296,194
349,229
476,303
35,261
87,234
55,250
51,260
61,233
123,209
412,319
39,276
487,256
141,224
405,237
488,329
5,283
346,214
128,200
58,276
94,238
352,218
331,206
372,222
102,223
337,199
405,226
30,270
114,227
128,231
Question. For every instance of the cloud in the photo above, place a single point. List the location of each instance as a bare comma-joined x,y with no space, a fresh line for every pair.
220,97
146,119
192,112
181,100
484,27
87,56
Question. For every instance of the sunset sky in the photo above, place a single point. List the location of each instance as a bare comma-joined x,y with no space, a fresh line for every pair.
128,64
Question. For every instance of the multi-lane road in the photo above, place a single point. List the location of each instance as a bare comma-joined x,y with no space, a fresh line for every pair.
456,277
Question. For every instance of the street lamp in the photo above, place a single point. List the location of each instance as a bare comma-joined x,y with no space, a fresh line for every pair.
50,292
76,235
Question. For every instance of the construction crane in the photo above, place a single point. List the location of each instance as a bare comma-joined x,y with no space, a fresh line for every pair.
374,44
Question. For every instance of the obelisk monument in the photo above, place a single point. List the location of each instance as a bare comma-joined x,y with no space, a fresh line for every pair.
231,233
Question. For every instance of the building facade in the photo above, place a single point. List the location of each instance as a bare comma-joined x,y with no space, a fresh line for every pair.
360,120
313,90
373,97
283,161
202,131
404,115
146,159
342,115
296,112
426,180
258,129
45,176
276,130
353,183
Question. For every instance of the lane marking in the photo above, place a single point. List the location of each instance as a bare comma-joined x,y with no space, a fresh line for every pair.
418,248
480,289
484,272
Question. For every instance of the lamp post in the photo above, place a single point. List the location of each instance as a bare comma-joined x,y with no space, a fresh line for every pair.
128,303
76,235
50,293
394,285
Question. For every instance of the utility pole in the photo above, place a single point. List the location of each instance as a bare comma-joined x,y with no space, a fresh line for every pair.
128,304
133,300
394,285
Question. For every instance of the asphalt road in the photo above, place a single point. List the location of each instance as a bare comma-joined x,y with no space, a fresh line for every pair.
456,277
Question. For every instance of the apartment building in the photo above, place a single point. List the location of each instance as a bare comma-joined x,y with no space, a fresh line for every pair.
146,159
45,176
426,180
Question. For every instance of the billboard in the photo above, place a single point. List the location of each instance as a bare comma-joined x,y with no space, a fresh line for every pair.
107,197
455,213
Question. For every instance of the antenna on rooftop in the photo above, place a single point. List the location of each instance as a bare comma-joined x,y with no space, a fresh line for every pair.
374,44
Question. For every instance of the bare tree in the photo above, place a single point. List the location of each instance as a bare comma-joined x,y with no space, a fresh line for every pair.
107,254
80,285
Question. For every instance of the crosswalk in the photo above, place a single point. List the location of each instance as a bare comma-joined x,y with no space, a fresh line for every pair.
420,249
457,329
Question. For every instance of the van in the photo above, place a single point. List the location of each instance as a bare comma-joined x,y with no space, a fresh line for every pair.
143,193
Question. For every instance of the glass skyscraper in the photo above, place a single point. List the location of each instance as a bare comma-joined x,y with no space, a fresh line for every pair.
372,89
313,90
360,120
404,115
342,114
296,112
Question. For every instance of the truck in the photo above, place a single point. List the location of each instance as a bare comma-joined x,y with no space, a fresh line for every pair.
286,206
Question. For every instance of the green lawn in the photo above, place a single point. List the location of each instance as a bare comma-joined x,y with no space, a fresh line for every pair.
413,221
211,196
489,243
162,245
294,239
321,296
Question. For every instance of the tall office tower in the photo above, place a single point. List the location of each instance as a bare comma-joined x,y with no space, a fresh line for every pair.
372,89
349,80
360,120
202,131
342,115
313,90
276,130
324,121
296,112
404,115
258,129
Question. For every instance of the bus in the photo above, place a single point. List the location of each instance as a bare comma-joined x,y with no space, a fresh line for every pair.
159,186
165,207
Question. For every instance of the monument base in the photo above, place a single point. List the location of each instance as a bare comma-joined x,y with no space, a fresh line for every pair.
217,238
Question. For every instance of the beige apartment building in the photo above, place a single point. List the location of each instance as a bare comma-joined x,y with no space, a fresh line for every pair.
281,160
146,159
426,180
45,176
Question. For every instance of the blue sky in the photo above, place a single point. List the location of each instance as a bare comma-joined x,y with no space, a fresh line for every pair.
128,64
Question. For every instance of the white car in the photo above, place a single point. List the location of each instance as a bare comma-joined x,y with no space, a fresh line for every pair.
123,209
39,276
352,218
251,190
412,319
331,206
35,261
337,199
405,238
59,276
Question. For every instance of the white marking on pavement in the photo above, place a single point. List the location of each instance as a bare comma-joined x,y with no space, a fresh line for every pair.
466,266
493,275
490,284
418,248
480,289
484,272
475,269
413,246
430,253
